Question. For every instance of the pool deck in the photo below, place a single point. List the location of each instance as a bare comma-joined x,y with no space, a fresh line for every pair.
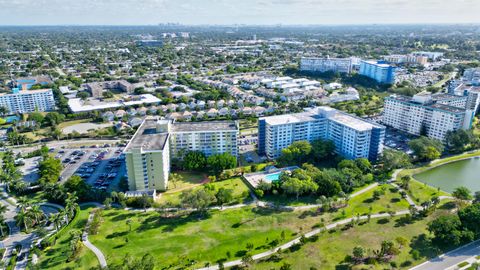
255,178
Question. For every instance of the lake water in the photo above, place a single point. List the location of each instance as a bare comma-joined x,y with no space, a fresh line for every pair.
452,175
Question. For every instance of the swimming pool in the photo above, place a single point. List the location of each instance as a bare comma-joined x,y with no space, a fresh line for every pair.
273,177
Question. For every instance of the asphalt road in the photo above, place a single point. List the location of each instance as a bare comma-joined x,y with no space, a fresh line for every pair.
452,258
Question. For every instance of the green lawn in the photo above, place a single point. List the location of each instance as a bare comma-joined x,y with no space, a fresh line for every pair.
189,180
240,191
194,240
331,248
421,192
364,203
177,242
55,256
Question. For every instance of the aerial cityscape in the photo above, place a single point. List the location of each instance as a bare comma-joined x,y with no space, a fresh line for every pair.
209,135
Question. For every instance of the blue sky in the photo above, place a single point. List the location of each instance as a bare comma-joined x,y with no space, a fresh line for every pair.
139,12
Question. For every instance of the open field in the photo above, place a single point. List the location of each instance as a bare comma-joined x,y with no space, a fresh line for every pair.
331,248
194,239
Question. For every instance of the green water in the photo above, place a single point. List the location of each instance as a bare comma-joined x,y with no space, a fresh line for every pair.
452,175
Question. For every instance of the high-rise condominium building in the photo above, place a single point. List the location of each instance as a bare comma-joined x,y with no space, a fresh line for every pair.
25,101
156,141
313,64
429,115
379,71
353,136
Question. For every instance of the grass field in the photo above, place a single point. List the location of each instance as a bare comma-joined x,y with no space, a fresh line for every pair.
240,191
55,257
189,180
331,248
194,240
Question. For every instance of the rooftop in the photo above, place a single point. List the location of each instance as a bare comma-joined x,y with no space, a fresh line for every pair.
147,138
313,114
204,126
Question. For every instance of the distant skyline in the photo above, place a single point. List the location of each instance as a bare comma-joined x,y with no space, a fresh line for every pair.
227,12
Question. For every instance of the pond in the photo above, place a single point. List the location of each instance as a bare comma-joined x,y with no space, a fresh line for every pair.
450,176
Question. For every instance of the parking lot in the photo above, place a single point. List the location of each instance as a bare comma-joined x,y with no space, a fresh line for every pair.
398,140
100,166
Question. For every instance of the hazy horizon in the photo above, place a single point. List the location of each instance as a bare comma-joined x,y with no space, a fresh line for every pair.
246,12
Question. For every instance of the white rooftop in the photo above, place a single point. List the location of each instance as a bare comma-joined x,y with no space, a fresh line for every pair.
78,105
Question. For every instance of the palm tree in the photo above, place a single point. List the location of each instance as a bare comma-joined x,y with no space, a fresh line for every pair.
23,218
23,203
2,221
36,213
56,219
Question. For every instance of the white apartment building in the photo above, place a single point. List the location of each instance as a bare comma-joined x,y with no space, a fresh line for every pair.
149,152
25,101
353,137
427,114
314,64
210,138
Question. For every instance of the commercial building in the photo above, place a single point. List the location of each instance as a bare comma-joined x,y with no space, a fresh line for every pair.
149,152
353,137
427,114
378,70
25,101
313,64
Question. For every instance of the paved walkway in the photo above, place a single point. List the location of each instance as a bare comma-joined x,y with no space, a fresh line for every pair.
297,240
89,245
451,259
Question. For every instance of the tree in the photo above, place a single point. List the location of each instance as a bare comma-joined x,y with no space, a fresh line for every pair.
406,181
220,162
322,149
36,116
75,184
194,161
295,154
358,253
462,194
458,140
470,218
56,219
3,110
327,185
224,196
53,119
298,187
49,170
247,260
175,178
448,230
426,148
198,199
